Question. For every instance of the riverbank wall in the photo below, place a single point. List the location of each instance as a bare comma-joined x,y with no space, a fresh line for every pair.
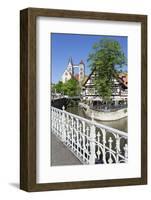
104,116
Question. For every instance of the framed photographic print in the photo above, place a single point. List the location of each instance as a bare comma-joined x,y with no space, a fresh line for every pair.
83,99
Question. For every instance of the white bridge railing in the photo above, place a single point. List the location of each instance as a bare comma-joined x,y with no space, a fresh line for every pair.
90,142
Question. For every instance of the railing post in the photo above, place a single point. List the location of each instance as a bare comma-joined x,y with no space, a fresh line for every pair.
92,143
110,161
72,132
104,145
63,126
98,153
52,119
117,148
84,147
126,153
77,135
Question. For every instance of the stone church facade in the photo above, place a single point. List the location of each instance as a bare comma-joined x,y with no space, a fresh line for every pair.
69,72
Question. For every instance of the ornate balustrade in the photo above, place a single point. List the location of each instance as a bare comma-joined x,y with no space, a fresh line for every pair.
89,141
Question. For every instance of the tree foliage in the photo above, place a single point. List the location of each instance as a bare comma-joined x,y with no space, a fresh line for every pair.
58,87
106,60
70,88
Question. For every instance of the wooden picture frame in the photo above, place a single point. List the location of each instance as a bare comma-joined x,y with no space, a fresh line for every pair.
28,98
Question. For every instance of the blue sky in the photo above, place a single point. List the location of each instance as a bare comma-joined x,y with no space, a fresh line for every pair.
78,46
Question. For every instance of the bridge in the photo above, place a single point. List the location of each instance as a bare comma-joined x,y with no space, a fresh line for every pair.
87,140
59,100
55,97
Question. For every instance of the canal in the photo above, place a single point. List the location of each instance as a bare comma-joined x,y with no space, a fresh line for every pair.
118,124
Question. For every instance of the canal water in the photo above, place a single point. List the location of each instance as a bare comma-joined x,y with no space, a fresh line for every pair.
118,124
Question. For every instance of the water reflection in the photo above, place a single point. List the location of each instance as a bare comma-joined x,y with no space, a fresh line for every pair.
118,124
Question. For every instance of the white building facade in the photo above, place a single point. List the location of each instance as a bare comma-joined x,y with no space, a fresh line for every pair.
119,89
70,71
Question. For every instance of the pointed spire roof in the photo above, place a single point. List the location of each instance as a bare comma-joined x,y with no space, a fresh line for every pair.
70,61
81,62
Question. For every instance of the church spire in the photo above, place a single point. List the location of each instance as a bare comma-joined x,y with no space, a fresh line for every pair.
70,63
81,62
70,66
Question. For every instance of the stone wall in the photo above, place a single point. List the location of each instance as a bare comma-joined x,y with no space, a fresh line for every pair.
107,116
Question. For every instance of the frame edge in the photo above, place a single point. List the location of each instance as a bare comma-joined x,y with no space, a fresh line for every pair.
27,58
27,101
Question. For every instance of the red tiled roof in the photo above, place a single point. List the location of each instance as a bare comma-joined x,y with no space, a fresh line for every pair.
76,77
124,78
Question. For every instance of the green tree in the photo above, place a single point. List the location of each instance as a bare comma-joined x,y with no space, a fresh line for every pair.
58,87
106,60
71,87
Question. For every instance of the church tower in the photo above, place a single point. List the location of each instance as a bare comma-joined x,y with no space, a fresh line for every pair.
69,72
70,66
81,71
